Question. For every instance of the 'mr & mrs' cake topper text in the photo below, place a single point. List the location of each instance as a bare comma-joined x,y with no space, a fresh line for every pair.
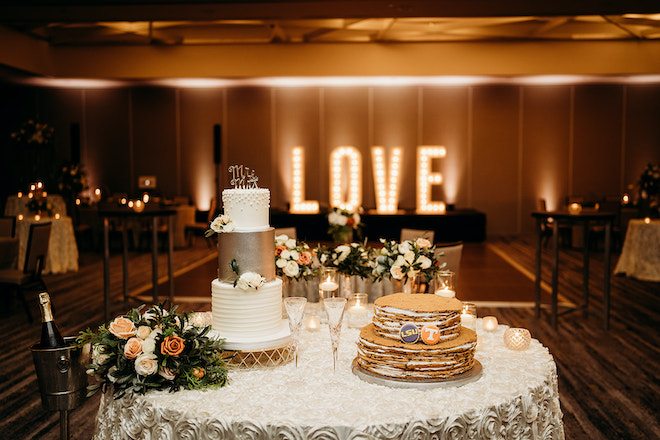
242,177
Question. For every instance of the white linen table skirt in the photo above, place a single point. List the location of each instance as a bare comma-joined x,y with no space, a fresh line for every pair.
62,248
516,397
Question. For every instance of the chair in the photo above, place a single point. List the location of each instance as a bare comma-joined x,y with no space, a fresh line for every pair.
8,226
35,259
450,253
414,234
199,228
289,232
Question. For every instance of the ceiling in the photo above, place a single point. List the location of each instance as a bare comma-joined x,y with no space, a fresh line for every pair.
131,23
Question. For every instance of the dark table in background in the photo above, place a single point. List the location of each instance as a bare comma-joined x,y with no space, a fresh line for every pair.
586,219
122,213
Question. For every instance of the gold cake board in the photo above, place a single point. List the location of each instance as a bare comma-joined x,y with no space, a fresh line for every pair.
256,359
423,384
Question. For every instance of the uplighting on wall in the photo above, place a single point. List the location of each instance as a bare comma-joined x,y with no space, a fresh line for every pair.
426,179
386,183
298,203
339,186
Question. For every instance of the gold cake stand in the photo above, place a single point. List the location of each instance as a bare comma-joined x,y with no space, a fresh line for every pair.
423,384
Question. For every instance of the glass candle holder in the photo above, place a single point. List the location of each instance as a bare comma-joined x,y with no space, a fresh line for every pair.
489,323
517,339
328,288
357,311
445,284
469,316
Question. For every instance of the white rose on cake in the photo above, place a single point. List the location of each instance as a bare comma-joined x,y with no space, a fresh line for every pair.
250,280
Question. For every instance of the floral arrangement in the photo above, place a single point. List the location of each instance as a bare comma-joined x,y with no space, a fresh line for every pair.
71,180
40,205
405,260
649,181
220,224
247,280
342,224
349,259
33,133
154,350
294,259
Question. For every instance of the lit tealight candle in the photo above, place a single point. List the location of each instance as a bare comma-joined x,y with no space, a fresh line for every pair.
647,220
97,192
40,185
37,217
33,187
20,216
469,316
123,201
447,293
19,195
78,202
57,215
138,206
44,194
328,286
312,323
130,204
574,208
489,323
145,198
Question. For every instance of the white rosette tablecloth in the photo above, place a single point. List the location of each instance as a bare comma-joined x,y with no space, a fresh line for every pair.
515,398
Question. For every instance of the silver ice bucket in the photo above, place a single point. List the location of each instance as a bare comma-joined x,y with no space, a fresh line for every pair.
62,375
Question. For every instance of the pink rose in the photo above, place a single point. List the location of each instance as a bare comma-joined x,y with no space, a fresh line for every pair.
122,327
133,348
304,258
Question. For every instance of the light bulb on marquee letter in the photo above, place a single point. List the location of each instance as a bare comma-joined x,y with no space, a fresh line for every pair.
426,179
351,187
386,184
298,203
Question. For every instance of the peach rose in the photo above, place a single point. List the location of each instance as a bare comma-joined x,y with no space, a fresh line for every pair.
133,348
198,372
167,373
143,332
279,249
304,258
122,327
172,345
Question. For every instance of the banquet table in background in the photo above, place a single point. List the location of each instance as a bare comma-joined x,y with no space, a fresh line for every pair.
62,248
16,205
640,255
516,397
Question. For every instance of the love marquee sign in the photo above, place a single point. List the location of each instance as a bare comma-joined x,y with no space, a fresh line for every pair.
346,179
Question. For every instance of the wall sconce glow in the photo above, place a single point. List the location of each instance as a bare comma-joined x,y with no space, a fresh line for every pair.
298,203
346,193
386,183
426,179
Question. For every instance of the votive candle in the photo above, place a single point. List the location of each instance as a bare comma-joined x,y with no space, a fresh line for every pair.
312,323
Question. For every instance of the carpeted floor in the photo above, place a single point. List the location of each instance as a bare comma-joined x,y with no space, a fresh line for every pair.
608,381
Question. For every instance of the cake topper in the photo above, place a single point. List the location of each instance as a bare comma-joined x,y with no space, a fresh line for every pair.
242,177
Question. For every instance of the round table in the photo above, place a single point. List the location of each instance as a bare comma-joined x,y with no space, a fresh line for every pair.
62,248
516,397
640,256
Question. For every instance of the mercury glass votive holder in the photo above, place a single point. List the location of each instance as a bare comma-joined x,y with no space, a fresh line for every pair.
517,339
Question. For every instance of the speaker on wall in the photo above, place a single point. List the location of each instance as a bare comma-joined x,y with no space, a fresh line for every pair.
74,131
217,143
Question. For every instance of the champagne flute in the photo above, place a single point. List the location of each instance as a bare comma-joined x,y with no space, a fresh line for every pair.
295,310
335,310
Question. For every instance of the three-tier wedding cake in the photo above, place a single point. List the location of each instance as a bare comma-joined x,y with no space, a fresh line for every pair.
246,298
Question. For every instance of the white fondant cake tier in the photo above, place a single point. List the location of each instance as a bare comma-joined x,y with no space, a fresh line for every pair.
248,209
248,313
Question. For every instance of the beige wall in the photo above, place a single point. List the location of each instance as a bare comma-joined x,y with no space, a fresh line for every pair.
507,145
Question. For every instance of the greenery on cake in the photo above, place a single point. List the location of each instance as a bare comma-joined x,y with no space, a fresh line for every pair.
153,350
294,259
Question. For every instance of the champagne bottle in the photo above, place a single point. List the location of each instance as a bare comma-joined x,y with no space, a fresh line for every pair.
50,335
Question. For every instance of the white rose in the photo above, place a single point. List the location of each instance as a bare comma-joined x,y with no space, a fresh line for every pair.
149,345
423,243
242,284
286,254
424,261
143,332
280,262
396,272
281,239
146,364
228,227
291,269
404,247
290,243
409,257
344,252
294,255
216,225
323,258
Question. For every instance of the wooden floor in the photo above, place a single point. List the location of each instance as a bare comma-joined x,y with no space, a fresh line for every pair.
608,380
